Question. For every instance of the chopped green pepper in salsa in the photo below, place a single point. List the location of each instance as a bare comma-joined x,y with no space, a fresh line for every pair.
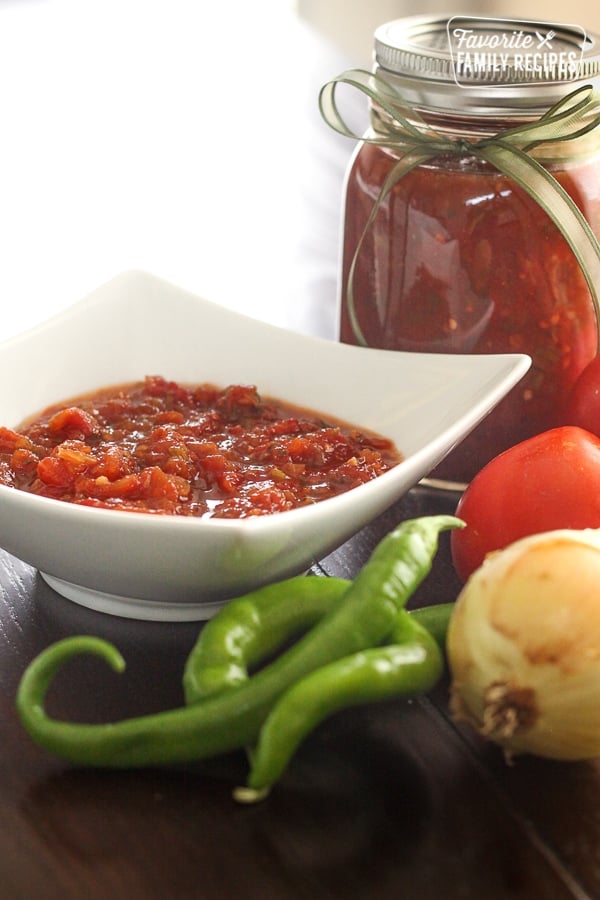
157,446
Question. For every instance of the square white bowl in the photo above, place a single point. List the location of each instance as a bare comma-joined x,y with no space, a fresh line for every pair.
180,568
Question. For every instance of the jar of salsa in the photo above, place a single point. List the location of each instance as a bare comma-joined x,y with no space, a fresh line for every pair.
453,255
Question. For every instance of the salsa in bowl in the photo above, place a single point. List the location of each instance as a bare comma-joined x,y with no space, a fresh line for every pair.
165,448
181,567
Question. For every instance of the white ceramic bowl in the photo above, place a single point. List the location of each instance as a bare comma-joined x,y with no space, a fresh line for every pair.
179,568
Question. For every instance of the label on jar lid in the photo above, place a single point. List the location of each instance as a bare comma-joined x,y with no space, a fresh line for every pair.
509,51
452,62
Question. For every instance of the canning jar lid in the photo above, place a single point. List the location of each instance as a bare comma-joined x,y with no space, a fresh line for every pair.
485,65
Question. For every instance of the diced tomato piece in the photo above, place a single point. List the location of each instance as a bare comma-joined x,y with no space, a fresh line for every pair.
268,500
306,450
11,440
103,489
75,454
284,426
54,471
170,417
157,386
237,401
156,484
218,470
66,461
73,419
203,449
23,460
112,464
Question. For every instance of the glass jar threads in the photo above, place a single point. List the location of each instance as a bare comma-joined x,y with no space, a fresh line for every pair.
470,210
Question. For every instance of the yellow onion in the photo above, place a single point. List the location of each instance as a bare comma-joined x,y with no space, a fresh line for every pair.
524,646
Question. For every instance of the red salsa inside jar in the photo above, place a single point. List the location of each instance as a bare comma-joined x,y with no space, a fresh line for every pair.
461,260
156,446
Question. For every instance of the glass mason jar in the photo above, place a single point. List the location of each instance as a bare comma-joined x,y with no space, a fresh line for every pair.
458,257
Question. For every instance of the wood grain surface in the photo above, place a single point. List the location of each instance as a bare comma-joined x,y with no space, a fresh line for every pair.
384,801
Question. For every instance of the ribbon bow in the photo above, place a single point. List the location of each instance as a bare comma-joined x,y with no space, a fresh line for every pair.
509,151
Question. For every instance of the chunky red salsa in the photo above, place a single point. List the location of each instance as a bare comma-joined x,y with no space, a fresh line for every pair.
157,446
459,259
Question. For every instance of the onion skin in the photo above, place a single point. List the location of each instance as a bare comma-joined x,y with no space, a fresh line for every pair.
524,646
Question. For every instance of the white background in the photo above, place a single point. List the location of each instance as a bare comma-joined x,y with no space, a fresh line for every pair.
181,137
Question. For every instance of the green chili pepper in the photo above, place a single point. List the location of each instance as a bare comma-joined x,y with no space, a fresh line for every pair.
251,628
233,718
411,663
435,619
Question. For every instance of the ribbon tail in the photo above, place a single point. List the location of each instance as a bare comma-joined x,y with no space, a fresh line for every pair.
544,188
409,160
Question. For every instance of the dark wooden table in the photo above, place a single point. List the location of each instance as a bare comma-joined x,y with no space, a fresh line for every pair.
385,801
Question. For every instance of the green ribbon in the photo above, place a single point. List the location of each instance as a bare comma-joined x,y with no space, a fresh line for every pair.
509,151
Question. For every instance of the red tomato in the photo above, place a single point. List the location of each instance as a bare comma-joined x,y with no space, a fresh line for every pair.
549,481
583,406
